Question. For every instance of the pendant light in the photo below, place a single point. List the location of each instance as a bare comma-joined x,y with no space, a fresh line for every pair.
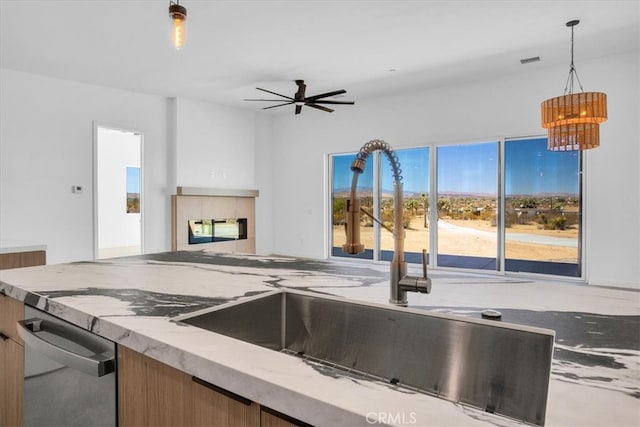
573,120
178,15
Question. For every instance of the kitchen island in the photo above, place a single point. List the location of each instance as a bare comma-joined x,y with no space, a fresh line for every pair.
133,300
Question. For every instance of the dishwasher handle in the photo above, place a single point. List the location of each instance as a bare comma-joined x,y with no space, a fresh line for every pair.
97,365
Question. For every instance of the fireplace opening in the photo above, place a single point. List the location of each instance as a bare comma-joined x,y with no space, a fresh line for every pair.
216,230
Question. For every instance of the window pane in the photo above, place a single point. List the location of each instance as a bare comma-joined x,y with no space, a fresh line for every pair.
415,178
133,189
542,208
467,203
341,187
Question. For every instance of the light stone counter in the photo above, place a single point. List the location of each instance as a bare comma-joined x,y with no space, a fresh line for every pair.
132,301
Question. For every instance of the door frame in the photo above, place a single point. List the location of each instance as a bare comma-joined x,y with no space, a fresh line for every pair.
97,125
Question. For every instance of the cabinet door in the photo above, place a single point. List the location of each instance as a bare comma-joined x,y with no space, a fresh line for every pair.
149,392
271,418
216,407
11,310
152,393
11,380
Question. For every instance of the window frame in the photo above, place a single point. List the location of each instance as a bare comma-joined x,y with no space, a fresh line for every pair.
377,162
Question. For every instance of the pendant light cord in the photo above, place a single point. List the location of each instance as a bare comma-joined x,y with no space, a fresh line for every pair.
568,89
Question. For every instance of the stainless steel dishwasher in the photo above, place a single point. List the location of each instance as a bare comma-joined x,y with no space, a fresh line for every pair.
69,374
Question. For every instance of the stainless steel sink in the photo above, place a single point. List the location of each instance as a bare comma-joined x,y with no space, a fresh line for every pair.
498,367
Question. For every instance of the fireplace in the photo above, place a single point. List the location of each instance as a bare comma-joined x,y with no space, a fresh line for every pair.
216,230
219,220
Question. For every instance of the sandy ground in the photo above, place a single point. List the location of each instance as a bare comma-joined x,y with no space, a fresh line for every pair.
475,238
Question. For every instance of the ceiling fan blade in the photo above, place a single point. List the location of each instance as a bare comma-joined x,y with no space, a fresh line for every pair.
299,99
273,93
325,95
320,107
334,102
270,100
279,105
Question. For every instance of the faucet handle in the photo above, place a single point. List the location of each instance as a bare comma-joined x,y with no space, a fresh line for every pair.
424,263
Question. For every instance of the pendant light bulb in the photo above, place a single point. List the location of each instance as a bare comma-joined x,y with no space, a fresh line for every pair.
178,15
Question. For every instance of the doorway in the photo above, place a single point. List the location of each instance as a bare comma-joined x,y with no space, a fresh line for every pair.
118,192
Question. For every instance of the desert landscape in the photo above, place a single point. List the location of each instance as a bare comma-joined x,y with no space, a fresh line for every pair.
479,238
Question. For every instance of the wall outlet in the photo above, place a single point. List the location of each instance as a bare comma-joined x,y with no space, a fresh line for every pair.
76,189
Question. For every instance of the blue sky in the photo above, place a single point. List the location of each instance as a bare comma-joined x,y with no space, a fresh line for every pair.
472,168
532,169
342,172
413,162
133,179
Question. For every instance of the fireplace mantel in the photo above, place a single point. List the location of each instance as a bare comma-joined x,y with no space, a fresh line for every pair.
225,192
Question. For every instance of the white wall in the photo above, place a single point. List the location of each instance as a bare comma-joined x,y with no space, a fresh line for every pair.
219,147
46,146
264,183
117,150
215,146
506,106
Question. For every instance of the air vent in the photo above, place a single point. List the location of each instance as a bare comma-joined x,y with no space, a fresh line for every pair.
529,60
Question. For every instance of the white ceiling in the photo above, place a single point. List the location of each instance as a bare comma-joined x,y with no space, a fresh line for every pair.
235,46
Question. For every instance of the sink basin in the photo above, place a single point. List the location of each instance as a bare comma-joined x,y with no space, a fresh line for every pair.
495,366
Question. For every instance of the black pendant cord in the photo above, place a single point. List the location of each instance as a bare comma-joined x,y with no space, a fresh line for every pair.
572,68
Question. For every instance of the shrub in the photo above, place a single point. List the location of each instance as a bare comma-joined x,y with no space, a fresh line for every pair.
556,223
339,211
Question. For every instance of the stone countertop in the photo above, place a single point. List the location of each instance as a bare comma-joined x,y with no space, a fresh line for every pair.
132,300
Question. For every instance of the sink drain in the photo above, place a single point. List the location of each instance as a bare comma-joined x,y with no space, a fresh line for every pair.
491,314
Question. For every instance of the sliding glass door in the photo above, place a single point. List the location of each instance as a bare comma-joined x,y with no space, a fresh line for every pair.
508,206
467,205
340,189
542,208
415,179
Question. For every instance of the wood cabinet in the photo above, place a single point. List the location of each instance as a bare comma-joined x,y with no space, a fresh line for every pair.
11,310
152,393
11,362
271,418
22,259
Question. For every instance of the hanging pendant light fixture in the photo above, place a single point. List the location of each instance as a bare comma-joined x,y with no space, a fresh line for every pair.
178,15
574,119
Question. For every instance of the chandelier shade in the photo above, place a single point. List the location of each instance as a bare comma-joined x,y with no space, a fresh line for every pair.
573,137
573,119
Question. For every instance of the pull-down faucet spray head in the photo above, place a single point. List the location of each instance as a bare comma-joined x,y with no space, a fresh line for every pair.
400,282
353,246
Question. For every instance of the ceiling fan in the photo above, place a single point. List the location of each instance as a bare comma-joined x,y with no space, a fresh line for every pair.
300,99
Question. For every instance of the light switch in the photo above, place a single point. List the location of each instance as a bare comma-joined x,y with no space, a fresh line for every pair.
77,189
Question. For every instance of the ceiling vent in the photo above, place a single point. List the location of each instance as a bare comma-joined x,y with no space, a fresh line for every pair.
530,60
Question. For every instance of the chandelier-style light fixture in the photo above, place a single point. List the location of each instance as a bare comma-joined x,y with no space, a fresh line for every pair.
178,15
573,120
